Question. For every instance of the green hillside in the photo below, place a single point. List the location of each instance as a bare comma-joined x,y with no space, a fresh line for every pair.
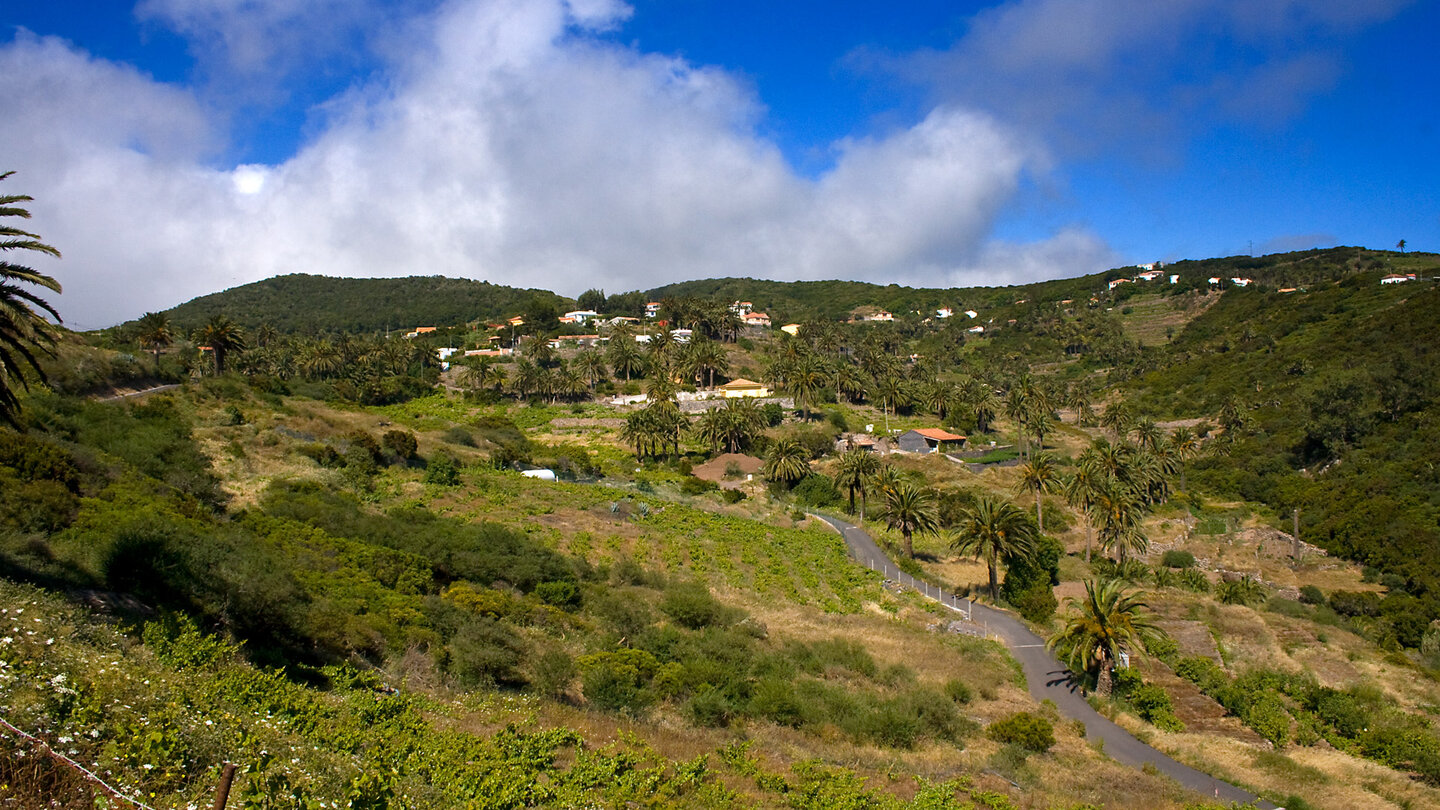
305,304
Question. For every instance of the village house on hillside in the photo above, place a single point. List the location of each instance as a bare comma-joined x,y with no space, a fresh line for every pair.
929,440
756,319
1396,278
740,387
419,330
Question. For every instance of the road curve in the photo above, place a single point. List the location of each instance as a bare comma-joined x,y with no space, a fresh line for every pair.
1046,677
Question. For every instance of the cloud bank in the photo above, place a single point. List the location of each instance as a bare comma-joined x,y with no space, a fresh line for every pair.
500,141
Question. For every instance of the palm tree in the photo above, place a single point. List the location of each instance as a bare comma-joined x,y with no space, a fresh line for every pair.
910,509
849,382
624,355
1081,488
1108,623
806,381
223,336
856,468
1120,511
993,529
1117,419
743,422
1184,445
1040,475
23,331
592,365
154,334
786,463
890,393
642,431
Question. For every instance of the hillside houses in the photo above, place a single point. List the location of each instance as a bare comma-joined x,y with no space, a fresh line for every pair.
1397,278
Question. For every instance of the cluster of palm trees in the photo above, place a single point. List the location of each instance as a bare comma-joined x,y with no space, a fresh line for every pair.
24,331
1115,484
365,361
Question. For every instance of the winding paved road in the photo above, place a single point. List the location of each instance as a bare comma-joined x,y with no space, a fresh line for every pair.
1047,677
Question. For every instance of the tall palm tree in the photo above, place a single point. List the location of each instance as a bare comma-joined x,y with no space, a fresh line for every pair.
1116,419
993,529
1081,490
1107,623
1040,475
856,469
849,382
591,364
223,336
743,422
890,393
1184,445
806,381
23,330
1120,511
786,462
624,355
910,509
155,334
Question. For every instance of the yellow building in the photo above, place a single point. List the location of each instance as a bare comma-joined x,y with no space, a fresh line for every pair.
742,387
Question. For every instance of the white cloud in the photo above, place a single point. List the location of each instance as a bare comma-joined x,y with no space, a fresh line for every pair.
1138,73
507,145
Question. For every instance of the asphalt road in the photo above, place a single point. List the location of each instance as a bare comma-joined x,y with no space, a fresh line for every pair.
1045,676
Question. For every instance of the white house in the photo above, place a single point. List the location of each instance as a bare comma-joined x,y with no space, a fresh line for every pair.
970,313
652,309
755,319
579,316
1118,281
1213,280
944,312
1149,275
1396,278
681,335
976,329
1174,278
1242,282
881,315
742,308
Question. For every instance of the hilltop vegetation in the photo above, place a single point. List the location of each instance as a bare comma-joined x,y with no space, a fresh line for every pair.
309,305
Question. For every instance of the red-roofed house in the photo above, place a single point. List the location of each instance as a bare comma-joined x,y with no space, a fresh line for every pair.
929,440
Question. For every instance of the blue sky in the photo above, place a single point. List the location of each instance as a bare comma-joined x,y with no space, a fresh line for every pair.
177,147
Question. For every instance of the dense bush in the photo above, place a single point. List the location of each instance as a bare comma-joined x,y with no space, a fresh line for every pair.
816,490
1030,580
442,470
1175,558
1028,731
691,605
1311,595
402,443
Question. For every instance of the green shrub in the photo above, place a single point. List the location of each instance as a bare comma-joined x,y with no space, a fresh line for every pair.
1311,595
1193,579
401,443
958,691
559,593
1023,729
1175,558
1244,591
697,486
441,470
484,652
458,435
690,605
1355,603
732,496
816,490
710,708
554,670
